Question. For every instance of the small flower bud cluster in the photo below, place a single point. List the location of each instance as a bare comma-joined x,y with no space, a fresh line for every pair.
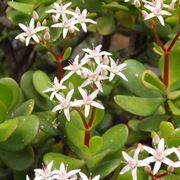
47,173
93,68
63,17
158,157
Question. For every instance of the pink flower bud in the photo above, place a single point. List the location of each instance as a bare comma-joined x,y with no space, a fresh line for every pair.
54,19
35,15
170,169
47,36
147,168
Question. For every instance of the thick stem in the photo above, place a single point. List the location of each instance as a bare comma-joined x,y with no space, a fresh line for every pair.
173,41
157,37
87,137
154,177
59,70
88,129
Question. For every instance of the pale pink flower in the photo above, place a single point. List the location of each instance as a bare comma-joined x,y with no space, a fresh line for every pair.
88,100
30,31
96,53
46,173
56,87
159,156
133,163
68,25
75,66
116,69
82,18
156,10
84,177
63,174
65,103
95,78
60,9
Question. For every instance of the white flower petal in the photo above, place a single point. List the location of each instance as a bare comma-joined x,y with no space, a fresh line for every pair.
96,104
156,167
125,169
134,173
87,109
126,156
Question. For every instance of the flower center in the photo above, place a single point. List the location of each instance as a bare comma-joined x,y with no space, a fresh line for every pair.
65,103
115,68
159,155
93,77
88,100
132,163
60,9
65,24
30,31
157,11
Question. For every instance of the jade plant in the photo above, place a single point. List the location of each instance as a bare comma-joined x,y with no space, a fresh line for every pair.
69,122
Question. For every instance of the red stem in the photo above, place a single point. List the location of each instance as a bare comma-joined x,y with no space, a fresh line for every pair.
88,128
173,41
166,53
157,176
157,37
87,137
59,70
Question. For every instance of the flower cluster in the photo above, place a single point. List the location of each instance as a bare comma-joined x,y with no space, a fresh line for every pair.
158,157
96,66
46,173
155,8
65,18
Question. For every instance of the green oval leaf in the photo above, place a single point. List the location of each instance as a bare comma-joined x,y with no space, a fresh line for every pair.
67,53
41,82
23,135
18,161
71,163
115,138
3,112
25,109
25,8
133,72
152,123
105,25
138,105
150,80
10,93
95,144
31,93
7,128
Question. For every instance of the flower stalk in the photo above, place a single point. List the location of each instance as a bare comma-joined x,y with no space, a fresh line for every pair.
166,52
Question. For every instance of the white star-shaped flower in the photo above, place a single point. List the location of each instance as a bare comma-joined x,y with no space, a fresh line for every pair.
96,78
66,103
88,100
133,163
60,9
46,173
56,87
75,66
68,25
159,156
84,177
63,174
116,69
156,9
96,53
82,18
30,31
